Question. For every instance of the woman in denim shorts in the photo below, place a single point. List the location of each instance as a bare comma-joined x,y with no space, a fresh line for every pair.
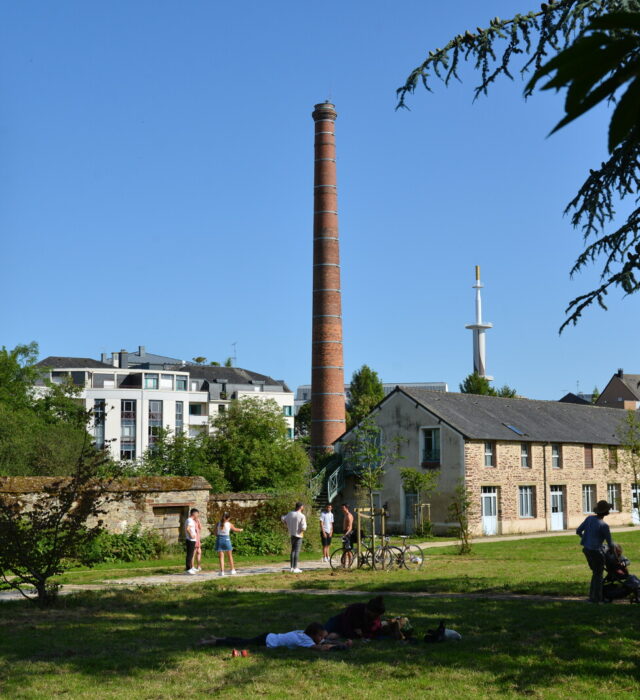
223,542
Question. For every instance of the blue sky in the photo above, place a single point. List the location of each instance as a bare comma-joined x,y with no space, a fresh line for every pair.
156,189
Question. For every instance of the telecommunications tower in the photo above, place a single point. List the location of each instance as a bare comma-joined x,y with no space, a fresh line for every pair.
478,328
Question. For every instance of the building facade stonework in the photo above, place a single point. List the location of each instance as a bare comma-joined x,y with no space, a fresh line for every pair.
558,461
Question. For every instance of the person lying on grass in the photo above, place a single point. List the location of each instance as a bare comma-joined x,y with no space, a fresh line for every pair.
358,621
314,637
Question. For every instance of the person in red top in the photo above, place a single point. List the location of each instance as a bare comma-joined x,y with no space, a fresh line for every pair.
358,621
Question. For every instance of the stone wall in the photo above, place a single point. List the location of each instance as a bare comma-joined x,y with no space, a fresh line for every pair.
160,503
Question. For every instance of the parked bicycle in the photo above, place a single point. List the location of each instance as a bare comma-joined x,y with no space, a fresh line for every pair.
412,555
346,557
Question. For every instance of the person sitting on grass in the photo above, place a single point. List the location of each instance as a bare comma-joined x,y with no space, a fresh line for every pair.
358,621
313,637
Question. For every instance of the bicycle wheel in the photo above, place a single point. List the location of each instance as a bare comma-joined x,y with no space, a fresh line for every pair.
365,560
342,559
412,558
396,557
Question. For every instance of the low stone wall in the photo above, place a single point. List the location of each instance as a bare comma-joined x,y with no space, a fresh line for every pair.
242,507
159,502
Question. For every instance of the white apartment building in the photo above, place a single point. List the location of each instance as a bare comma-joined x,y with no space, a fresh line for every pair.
130,405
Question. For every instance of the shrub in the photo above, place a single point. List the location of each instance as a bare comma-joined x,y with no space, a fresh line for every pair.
134,544
251,542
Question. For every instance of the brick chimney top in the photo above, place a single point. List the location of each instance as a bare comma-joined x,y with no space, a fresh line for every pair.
620,373
324,110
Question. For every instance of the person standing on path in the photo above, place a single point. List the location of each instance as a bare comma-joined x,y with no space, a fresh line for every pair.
296,524
347,525
326,530
593,532
223,542
191,537
197,557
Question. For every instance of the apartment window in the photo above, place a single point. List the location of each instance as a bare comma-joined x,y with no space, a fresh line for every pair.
104,381
179,417
166,381
556,456
195,409
489,454
613,458
290,433
181,383
526,501
613,496
222,408
588,498
588,456
127,429
431,447
287,410
150,381
155,421
525,454
99,414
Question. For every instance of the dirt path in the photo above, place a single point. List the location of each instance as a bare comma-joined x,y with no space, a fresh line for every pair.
181,579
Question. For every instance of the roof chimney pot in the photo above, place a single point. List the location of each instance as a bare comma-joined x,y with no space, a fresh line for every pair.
620,373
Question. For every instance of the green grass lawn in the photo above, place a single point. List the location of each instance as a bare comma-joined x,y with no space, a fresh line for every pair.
553,566
139,644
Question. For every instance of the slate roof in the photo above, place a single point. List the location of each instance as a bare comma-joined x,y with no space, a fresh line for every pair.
229,375
53,362
487,417
631,381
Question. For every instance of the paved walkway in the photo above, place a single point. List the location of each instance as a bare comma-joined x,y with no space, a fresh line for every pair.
180,579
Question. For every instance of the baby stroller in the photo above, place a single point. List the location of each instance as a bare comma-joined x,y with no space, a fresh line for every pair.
619,583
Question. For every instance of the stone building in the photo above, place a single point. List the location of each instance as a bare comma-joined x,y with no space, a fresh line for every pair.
527,465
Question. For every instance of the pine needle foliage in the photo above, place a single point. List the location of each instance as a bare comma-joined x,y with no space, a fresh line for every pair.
592,48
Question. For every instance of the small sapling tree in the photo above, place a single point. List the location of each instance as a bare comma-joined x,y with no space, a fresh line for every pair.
629,434
459,511
421,483
368,455
42,538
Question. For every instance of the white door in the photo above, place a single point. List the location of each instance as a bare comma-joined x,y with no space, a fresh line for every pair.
489,500
557,508
635,504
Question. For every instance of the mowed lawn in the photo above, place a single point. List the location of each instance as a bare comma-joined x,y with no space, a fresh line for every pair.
139,643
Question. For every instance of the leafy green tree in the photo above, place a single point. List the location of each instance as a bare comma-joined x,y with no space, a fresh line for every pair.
179,455
302,420
592,50
366,391
249,444
228,362
475,384
200,360
595,394
41,432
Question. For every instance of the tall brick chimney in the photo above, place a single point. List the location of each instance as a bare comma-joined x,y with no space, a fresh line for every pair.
327,370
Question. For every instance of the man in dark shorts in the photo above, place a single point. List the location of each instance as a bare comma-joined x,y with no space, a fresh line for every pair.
349,536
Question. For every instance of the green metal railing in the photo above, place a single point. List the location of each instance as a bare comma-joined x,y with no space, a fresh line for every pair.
317,482
335,483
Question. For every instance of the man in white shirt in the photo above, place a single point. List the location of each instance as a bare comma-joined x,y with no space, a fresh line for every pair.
296,524
326,530
313,637
191,536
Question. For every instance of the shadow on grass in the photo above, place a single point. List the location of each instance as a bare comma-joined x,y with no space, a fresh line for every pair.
518,646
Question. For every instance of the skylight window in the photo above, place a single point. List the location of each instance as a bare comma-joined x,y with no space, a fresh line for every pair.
517,431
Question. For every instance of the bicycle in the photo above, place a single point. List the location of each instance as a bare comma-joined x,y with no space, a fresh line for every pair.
412,555
387,556
346,557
